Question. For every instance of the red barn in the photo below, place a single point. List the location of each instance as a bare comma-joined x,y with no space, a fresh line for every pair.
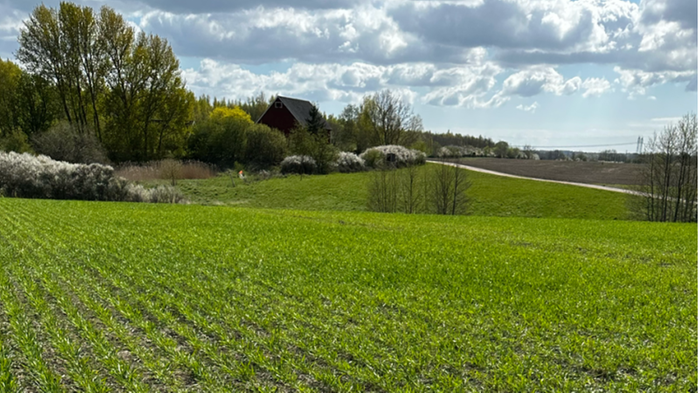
286,113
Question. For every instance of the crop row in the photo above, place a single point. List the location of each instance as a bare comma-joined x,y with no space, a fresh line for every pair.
117,297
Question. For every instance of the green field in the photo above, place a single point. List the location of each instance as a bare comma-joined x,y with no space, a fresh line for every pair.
490,195
101,296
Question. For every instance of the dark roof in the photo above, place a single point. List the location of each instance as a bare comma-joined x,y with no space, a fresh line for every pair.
298,108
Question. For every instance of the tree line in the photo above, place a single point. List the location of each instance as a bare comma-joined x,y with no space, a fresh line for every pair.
122,90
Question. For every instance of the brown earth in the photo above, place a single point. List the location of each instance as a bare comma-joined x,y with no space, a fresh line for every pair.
591,172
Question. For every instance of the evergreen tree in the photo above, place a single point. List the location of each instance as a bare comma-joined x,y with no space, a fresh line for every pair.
315,123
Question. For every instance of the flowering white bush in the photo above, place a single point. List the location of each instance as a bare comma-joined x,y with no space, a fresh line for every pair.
298,164
28,176
350,162
459,151
397,155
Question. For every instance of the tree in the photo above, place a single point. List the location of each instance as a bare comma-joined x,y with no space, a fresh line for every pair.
409,197
36,107
265,147
64,143
27,102
124,87
220,140
383,190
303,142
449,185
501,148
222,112
669,178
390,117
315,124
343,135
255,106
10,75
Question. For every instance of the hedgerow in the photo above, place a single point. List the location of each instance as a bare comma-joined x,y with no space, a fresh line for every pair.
27,176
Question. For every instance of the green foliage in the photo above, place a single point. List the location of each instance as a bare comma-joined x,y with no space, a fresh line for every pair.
37,106
304,143
501,149
222,112
10,75
106,79
373,158
219,140
256,300
229,136
265,147
16,141
315,124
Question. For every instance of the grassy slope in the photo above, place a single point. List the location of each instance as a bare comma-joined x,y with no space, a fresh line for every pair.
491,195
292,300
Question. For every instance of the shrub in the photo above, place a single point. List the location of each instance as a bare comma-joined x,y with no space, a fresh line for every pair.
159,194
27,176
450,152
298,164
394,155
265,147
350,162
63,143
219,141
372,158
314,145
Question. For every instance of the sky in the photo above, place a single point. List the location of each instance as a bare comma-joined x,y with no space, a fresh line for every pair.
547,73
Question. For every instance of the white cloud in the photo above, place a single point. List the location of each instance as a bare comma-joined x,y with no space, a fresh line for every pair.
666,119
260,35
535,80
452,49
635,82
595,86
528,108
347,83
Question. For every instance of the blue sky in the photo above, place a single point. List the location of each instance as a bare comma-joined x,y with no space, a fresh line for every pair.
544,72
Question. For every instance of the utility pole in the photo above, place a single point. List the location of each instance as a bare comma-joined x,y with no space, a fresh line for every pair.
639,145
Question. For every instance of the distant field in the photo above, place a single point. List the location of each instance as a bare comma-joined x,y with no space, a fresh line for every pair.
490,195
123,297
605,173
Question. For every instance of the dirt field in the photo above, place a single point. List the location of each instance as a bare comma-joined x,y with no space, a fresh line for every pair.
604,173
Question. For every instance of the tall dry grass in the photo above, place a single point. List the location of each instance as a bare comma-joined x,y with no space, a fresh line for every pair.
167,169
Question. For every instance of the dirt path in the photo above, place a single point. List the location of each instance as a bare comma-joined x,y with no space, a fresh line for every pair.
473,168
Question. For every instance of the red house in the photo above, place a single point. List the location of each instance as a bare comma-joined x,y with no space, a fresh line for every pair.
285,113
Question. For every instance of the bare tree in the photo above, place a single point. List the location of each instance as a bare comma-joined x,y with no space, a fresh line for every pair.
409,196
449,185
390,117
383,190
171,170
669,178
